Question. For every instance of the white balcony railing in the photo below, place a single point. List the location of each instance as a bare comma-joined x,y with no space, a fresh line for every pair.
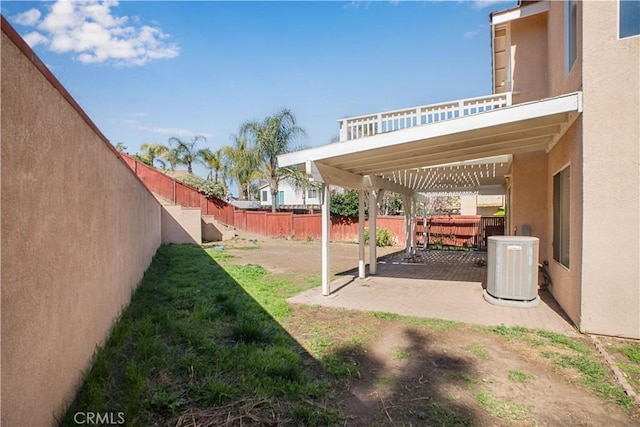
388,121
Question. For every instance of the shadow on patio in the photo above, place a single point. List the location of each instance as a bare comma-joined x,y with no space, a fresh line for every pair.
435,284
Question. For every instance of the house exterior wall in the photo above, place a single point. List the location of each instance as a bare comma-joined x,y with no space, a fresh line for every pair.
529,196
529,58
291,196
78,231
559,81
611,175
567,285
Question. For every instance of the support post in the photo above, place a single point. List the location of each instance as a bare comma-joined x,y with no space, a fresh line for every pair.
414,226
326,228
373,213
361,270
406,203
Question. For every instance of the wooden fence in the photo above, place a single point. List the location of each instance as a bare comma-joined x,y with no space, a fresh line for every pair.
434,231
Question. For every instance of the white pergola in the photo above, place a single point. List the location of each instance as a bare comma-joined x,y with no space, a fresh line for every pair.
469,153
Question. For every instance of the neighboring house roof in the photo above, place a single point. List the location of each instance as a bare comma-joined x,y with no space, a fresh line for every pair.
245,204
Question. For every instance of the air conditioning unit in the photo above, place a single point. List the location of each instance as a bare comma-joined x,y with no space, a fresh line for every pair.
512,271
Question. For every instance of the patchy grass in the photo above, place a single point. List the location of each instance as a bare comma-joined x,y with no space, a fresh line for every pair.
398,353
520,376
204,340
572,355
431,324
478,350
503,408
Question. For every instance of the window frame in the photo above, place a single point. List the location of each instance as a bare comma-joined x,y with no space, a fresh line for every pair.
312,193
619,29
561,239
265,197
570,35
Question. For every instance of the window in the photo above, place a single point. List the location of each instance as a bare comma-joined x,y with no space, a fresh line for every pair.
570,33
561,225
312,193
264,195
629,18
280,198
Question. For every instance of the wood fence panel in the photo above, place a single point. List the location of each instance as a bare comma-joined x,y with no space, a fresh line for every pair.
240,219
279,224
307,226
256,222
396,225
343,229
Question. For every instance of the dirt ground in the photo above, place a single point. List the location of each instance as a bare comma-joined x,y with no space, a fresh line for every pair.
423,374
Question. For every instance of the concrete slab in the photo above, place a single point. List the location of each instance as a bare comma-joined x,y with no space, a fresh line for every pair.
435,284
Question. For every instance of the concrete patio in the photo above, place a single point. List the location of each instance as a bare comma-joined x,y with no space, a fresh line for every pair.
435,284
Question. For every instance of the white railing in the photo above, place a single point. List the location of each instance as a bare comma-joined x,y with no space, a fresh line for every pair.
388,121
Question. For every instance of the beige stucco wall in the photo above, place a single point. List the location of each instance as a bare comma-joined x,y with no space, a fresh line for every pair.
529,195
611,153
529,58
78,231
566,288
558,80
181,225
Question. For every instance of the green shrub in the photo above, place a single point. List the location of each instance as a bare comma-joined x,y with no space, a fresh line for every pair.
383,237
205,186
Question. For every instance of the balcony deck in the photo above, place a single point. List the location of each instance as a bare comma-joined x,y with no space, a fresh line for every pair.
389,121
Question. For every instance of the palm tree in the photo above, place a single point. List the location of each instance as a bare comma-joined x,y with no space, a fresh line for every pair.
241,164
272,137
186,152
152,152
213,162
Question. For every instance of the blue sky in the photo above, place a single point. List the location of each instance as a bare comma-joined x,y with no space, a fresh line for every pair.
145,71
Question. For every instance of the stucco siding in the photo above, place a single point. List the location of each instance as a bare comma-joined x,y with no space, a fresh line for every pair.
561,82
529,58
529,195
78,231
611,152
566,287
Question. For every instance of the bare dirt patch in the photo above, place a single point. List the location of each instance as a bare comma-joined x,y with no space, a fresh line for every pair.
397,371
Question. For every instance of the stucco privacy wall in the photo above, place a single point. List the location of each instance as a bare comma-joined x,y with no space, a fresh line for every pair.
611,155
78,231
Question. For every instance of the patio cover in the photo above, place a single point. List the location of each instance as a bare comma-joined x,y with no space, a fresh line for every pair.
469,153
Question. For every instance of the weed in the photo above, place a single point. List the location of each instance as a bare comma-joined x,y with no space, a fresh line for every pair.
478,350
595,376
520,376
398,353
502,408
384,315
382,381
631,352
468,379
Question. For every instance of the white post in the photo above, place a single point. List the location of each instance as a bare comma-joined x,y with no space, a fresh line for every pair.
361,271
326,226
414,225
406,203
373,213
424,225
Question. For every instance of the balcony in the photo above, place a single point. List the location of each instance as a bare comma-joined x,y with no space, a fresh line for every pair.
423,115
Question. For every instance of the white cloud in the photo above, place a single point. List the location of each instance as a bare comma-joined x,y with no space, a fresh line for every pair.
28,18
176,132
34,38
91,32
